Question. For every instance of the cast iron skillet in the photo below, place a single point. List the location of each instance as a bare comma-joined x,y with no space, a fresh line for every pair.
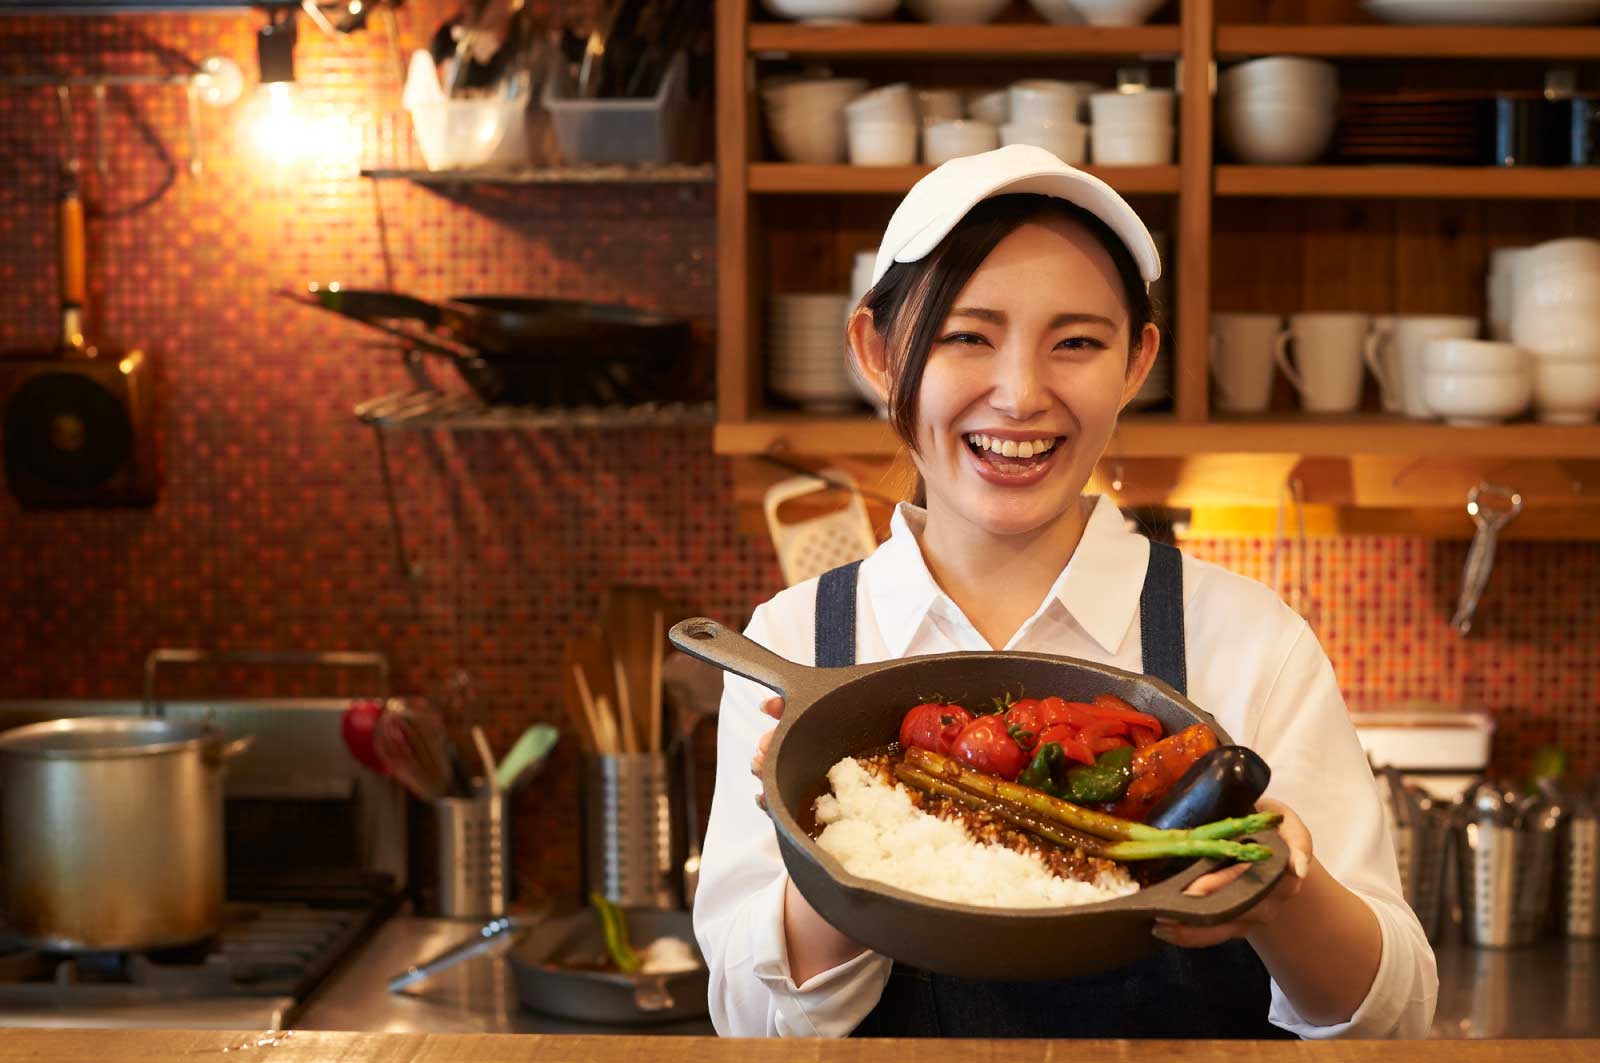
831,713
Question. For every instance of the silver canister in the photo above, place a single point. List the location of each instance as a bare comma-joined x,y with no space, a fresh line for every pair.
1421,849
1505,877
1580,876
465,855
631,835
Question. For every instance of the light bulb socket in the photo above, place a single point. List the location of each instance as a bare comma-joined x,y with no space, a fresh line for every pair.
275,50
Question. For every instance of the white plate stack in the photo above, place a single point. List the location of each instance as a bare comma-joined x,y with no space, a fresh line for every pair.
1555,317
806,359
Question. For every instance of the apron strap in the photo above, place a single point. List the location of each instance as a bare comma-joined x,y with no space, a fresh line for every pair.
836,617
1161,618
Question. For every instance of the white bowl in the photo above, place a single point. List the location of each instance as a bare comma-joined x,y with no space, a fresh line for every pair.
1476,398
1557,334
804,96
1451,355
1152,106
886,103
1069,143
944,141
1038,101
1276,134
992,107
1114,12
1567,392
1147,146
939,105
1058,12
1282,76
817,139
874,142
957,12
830,10
1571,254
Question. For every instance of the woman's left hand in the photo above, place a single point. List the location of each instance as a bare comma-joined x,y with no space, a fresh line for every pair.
1294,834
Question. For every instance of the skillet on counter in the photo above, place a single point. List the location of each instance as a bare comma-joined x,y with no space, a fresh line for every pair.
831,713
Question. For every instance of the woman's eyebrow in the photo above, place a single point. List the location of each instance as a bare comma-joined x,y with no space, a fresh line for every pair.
998,317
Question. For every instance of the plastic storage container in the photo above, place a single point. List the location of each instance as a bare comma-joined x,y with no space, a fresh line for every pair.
458,132
629,131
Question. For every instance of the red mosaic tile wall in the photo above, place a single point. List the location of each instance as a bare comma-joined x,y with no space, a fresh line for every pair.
272,530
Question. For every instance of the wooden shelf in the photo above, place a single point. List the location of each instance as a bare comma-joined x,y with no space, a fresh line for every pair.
888,40
1159,437
672,173
794,178
1429,42
1402,182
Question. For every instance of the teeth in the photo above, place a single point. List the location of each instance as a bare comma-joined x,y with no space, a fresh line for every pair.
1011,448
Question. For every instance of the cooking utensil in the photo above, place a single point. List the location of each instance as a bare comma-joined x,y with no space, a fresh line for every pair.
628,618
694,689
1491,508
588,659
831,713
480,741
358,727
810,547
111,832
559,971
413,751
491,938
526,757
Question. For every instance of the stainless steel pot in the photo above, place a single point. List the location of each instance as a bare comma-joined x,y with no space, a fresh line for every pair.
111,832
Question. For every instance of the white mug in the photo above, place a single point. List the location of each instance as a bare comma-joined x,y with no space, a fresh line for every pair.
1326,370
1394,354
1241,360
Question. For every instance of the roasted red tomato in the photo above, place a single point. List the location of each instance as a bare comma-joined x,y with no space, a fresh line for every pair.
1066,736
933,727
1025,720
985,745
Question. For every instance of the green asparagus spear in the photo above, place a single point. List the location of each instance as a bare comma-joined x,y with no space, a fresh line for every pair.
1184,848
615,927
1085,820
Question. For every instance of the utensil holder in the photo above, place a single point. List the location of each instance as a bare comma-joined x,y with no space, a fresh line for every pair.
465,851
1505,883
632,831
1422,851
1580,877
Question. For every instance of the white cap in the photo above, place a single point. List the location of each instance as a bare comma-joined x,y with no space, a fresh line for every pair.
941,199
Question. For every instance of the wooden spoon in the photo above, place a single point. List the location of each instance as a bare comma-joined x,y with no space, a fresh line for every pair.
628,618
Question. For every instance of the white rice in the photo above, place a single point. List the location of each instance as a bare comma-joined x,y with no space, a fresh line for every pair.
872,828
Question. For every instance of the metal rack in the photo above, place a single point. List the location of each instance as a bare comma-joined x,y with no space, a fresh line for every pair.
455,412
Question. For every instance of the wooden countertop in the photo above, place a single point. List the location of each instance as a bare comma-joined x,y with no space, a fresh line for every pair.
47,1046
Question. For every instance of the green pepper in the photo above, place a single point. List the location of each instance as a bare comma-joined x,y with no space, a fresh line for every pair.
1105,781
1041,773
615,928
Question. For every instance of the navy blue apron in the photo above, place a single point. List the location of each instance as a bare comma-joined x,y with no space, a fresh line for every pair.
1173,992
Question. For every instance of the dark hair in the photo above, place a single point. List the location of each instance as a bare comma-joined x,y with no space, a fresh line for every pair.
909,305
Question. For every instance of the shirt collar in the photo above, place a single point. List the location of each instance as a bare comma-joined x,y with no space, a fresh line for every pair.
1099,588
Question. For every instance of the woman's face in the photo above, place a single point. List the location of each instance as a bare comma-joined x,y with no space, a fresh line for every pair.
1025,379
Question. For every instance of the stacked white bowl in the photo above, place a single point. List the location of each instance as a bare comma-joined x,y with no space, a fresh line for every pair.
1044,112
1278,111
1555,316
1096,12
882,126
806,117
830,10
1131,128
806,361
1475,382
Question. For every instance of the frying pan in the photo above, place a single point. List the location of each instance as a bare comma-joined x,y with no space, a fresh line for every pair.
575,994
831,713
561,328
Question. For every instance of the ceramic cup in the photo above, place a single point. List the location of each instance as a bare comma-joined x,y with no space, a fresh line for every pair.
1069,142
1394,349
1327,363
943,141
1241,360
938,105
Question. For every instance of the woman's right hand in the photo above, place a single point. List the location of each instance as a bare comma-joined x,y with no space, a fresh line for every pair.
772,707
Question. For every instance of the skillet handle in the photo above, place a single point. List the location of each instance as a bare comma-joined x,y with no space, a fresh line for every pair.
1166,900
709,641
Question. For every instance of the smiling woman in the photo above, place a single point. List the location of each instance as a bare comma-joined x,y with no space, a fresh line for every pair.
1008,323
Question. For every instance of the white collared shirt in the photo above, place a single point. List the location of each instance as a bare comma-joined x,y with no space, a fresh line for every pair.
1253,663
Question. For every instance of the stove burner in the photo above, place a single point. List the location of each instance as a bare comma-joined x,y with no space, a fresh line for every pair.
263,950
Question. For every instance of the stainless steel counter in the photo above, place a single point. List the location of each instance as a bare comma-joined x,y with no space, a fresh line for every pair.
476,996
1547,990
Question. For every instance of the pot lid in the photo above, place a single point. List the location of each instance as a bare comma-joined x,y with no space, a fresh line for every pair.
91,737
